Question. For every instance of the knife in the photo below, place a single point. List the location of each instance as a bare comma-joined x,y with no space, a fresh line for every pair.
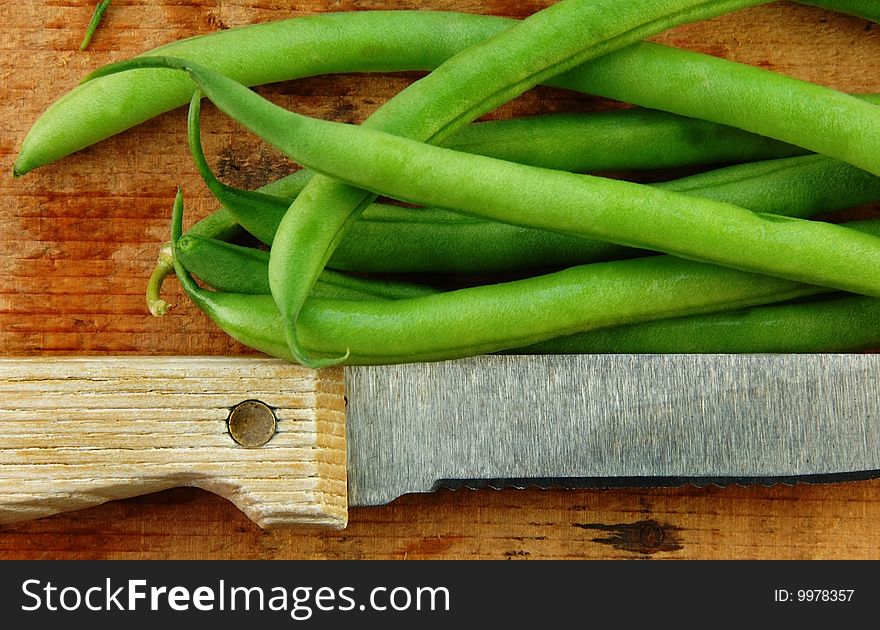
293,446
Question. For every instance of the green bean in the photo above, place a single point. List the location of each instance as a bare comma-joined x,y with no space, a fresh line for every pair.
839,324
270,52
254,54
471,83
236,269
488,318
98,14
430,240
103,91
257,212
818,253
394,239
224,266
629,139
275,51
843,185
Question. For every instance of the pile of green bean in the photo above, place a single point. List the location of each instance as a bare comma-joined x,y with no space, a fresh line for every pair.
511,247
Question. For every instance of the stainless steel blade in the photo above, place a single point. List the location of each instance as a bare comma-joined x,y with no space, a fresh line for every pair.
603,418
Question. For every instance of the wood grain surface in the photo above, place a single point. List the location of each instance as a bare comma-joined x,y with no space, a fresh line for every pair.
81,431
79,239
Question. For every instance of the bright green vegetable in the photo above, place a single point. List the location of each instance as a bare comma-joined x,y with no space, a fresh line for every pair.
622,140
839,324
236,269
471,83
430,240
818,253
270,52
802,186
763,194
797,187
394,239
800,113
488,318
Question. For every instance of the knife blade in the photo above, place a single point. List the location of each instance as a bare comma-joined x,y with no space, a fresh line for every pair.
80,431
603,420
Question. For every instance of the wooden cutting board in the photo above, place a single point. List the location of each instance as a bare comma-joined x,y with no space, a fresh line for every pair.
80,237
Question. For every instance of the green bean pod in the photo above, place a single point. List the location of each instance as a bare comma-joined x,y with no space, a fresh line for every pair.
838,324
802,186
471,83
488,318
525,140
430,240
630,139
395,239
270,52
690,227
255,54
388,238
97,16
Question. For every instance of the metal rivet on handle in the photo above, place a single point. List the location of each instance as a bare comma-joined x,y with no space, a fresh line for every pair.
251,423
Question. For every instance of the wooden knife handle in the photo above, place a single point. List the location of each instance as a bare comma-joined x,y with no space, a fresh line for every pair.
76,432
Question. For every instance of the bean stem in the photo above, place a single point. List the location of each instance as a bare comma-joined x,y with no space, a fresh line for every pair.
97,16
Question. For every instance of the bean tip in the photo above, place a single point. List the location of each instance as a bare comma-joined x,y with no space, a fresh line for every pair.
164,268
20,166
159,308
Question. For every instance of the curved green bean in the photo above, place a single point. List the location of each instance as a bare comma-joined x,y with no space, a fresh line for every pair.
471,83
430,240
271,52
804,114
488,318
629,139
394,239
689,227
620,140
255,54
802,186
